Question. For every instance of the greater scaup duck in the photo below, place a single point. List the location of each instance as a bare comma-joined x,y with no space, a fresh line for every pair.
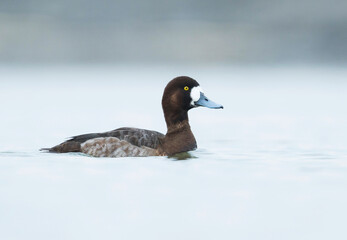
180,95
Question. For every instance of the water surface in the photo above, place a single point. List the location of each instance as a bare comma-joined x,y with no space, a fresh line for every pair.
271,165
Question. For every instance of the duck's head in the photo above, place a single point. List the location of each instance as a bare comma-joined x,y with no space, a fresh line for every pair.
182,94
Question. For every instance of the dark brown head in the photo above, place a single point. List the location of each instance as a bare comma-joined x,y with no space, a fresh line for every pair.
180,95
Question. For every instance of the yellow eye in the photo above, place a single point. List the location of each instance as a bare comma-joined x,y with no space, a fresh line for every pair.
186,88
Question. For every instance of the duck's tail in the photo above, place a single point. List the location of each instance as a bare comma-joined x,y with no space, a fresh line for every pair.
69,146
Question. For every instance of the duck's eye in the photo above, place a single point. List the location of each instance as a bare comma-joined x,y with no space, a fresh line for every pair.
186,88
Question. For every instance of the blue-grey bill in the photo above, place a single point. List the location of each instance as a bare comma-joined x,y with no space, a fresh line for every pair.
205,102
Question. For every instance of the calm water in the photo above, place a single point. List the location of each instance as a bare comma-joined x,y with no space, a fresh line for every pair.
271,165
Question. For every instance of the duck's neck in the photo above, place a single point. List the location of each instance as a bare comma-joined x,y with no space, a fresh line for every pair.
176,118
179,137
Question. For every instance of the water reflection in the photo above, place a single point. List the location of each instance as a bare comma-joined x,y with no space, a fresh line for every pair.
182,156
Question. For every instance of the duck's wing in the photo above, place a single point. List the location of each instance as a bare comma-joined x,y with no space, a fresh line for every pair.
135,136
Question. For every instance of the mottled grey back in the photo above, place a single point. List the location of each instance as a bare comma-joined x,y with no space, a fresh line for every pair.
135,136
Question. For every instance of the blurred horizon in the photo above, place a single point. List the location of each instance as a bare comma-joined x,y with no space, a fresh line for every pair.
194,32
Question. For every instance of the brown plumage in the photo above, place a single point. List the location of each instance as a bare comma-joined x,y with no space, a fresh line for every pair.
180,95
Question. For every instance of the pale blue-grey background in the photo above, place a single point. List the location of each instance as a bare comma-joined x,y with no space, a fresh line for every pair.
270,165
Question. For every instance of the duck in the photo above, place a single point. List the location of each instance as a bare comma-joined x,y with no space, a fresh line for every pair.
180,95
